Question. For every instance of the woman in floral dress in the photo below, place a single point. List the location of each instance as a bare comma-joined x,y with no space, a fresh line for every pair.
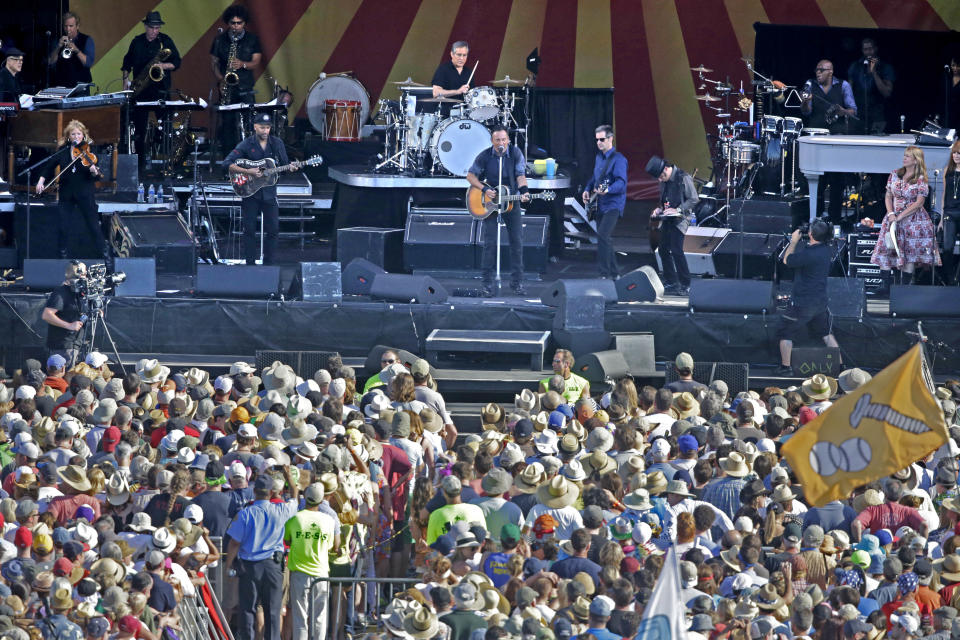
907,189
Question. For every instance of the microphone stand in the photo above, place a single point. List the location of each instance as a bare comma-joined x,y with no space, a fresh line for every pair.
497,281
28,170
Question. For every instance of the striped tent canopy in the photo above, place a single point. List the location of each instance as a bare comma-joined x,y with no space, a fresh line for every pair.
642,48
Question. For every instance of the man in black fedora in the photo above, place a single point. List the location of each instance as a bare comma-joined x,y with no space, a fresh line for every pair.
257,147
141,52
678,197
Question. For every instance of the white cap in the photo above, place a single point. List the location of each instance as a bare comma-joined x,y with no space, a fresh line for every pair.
241,367
25,392
247,430
307,386
72,425
193,513
223,383
338,387
237,470
29,450
96,359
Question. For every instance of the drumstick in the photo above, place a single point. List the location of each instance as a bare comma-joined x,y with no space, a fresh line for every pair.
472,72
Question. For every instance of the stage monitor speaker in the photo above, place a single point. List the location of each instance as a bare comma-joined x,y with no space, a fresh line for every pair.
303,363
382,247
602,366
358,276
807,361
317,282
44,274
128,176
699,244
8,258
556,293
640,285
768,216
581,341
535,236
732,296
582,312
760,251
735,374
165,237
846,297
639,351
404,287
238,281
141,279
372,365
921,301
435,241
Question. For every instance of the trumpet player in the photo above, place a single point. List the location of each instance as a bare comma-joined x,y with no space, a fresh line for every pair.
234,56
72,55
140,58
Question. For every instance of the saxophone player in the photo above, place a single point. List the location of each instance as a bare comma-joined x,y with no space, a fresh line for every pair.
234,56
141,54
72,55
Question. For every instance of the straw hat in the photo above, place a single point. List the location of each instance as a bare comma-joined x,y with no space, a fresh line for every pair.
820,387
491,416
686,405
118,491
74,476
638,500
421,624
656,483
600,463
950,567
852,379
558,493
735,465
530,478
527,401
62,599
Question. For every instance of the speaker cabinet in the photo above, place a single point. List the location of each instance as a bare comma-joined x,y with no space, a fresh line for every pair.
562,289
358,276
403,287
768,216
43,274
535,234
583,312
602,366
141,279
760,251
919,301
638,349
164,237
439,241
735,374
317,282
238,281
582,341
640,285
699,244
382,247
846,297
732,296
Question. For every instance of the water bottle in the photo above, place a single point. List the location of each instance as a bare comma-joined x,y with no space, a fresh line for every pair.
160,193
693,219
140,192
151,195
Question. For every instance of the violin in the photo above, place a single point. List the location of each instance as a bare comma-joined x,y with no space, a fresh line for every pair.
82,151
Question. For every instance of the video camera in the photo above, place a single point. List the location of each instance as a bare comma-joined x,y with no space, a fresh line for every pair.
91,288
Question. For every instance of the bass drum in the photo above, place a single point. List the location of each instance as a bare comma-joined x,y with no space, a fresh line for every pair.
339,88
456,143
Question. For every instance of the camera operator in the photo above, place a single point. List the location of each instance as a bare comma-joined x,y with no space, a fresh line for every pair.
62,312
810,262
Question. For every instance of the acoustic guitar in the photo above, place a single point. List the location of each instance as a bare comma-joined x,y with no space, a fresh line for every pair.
480,204
245,185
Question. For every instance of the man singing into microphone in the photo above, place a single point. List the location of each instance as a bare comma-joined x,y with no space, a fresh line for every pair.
484,175
872,82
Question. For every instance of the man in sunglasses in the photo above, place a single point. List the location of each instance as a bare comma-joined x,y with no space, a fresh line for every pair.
246,61
386,359
609,185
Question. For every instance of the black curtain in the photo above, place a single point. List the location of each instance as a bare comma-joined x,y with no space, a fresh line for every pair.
790,53
563,125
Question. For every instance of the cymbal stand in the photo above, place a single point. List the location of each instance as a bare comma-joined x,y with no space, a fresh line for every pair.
398,159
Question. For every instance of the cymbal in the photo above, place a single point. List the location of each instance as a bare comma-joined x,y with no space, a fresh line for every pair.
506,80
439,100
409,82
701,69
708,98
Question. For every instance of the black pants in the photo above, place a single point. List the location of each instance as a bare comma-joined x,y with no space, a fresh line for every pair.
140,118
78,212
251,208
836,182
606,256
951,231
261,583
675,270
514,223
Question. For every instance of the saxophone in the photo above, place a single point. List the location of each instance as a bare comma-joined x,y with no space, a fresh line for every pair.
230,77
152,72
183,140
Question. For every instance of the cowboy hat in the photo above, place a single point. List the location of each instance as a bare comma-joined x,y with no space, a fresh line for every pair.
75,477
61,599
421,624
558,493
950,567
638,500
118,492
546,442
152,371
600,463
141,523
656,483
186,530
767,598
782,493
197,377
298,432
731,558
163,540
491,416
494,601
574,471
530,478
279,377
678,487
686,405
820,387
527,401
431,420
600,439
735,465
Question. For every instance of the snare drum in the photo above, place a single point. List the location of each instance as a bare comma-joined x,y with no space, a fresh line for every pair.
342,120
482,104
419,129
456,143
772,124
792,125
743,152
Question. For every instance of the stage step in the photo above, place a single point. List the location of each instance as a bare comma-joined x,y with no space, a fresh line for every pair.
455,340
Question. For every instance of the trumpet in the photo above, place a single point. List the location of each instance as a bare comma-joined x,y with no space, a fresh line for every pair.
65,52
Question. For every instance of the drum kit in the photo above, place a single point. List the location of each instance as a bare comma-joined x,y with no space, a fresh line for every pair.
442,136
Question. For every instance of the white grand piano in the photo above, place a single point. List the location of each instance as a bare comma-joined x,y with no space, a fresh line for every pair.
864,154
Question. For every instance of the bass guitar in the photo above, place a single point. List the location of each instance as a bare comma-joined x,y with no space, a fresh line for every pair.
480,204
245,184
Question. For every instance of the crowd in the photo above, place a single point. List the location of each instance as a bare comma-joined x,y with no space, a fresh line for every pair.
120,493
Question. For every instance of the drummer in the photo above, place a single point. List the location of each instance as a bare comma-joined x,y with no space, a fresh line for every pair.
451,79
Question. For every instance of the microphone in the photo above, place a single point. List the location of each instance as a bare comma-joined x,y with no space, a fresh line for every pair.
219,29
914,334
808,86
903,119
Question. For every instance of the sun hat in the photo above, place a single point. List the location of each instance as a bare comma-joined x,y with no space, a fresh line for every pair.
638,500
497,481
735,465
546,442
75,477
820,387
559,492
528,480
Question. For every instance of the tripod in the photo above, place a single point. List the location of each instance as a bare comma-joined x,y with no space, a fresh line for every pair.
94,316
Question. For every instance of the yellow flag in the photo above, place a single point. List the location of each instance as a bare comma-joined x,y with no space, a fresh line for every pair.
885,425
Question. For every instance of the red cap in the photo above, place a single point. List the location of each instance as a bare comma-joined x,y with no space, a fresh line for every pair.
805,415
110,439
23,538
629,565
62,568
129,624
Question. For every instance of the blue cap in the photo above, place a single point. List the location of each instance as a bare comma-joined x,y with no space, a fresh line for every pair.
523,428
56,361
557,419
72,550
884,536
566,410
445,544
687,442
12,570
533,565
97,626
180,381
61,536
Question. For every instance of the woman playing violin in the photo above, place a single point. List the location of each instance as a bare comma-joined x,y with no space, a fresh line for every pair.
78,208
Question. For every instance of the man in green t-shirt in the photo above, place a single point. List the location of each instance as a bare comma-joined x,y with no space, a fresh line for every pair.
454,511
575,387
311,535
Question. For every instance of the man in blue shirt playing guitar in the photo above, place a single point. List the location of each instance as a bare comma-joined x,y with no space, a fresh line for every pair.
606,192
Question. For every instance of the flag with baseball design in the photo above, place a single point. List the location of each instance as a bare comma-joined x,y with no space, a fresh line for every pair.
880,428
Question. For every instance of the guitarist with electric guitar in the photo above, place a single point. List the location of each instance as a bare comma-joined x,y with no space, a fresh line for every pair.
605,196
245,167
501,166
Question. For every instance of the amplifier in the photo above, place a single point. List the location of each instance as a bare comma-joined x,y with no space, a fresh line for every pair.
860,246
164,237
876,281
535,234
760,251
439,241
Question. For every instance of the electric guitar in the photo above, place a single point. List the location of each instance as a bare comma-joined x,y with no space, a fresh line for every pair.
480,204
245,184
594,200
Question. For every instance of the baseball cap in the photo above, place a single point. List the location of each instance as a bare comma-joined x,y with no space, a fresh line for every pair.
683,360
129,624
686,443
96,359
263,118
451,485
509,533
97,626
56,361
601,607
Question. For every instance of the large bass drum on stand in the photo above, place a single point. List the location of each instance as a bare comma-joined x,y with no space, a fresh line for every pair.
455,144
340,87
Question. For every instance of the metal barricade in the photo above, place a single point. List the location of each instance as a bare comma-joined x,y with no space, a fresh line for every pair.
196,622
377,590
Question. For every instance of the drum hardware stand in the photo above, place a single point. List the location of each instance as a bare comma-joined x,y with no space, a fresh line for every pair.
197,194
